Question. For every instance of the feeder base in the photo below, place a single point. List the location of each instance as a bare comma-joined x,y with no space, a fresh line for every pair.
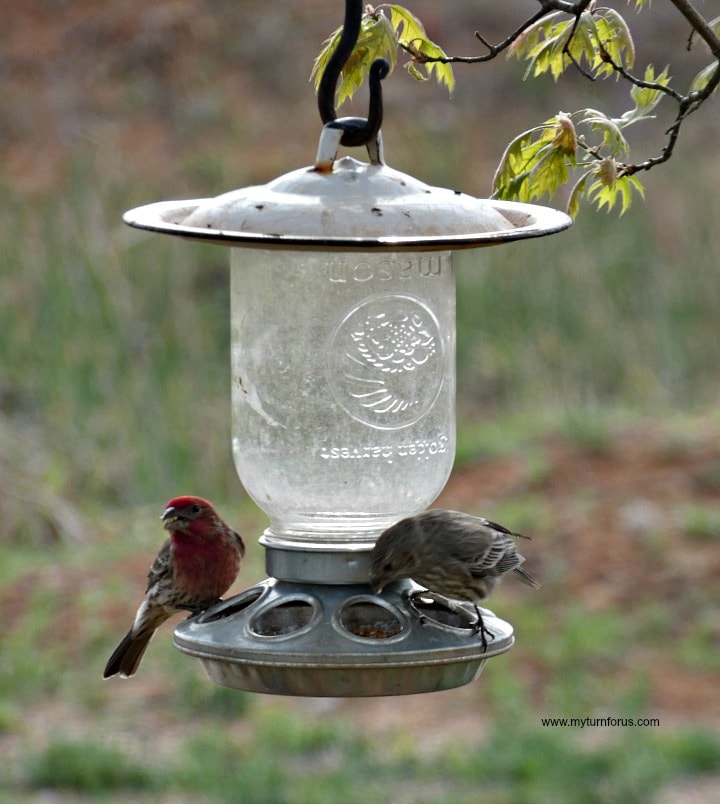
286,638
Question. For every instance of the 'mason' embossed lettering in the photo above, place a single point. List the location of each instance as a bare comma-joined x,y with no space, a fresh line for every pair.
392,268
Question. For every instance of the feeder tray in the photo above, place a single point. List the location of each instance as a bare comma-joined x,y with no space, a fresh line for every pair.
280,638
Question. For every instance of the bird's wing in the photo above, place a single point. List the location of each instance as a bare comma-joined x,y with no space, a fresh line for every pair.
502,529
500,556
162,567
240,543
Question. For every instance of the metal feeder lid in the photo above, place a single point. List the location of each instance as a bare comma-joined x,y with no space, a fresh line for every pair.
352,205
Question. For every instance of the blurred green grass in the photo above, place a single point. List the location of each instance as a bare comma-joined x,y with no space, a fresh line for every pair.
327,764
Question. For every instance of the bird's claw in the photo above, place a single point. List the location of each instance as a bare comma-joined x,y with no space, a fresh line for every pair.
197,608
409,597
479,627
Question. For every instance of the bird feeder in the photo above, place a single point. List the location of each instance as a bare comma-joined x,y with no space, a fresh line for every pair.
343,407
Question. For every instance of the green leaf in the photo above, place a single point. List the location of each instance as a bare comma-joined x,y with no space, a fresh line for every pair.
411,34
542,45
646,98
565,136
612,36
323,57
377,39
702,79
513,165
608,188
380,37
415,73
518,155
612,137
584,43
554,42
407,25
576,194
536,162
529,39
551,171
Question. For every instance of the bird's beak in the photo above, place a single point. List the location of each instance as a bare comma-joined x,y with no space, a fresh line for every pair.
376,585
170,516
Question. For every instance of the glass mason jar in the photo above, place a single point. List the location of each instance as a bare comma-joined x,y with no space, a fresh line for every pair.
343,388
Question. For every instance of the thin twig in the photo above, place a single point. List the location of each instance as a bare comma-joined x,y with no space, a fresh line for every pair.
493,50
581,5
699,24
689,103
639,82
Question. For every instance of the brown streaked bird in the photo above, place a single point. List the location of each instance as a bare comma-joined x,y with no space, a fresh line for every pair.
455,555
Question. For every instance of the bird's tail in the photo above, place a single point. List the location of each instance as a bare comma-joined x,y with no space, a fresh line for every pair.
126,657
526,578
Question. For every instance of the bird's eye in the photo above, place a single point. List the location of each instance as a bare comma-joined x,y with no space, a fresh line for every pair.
195,509
388,567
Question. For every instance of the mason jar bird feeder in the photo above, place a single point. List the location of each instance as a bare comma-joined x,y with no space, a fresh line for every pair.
343,406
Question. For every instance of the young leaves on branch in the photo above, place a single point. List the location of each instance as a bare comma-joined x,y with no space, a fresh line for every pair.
537,162
587,146
381,37
556,42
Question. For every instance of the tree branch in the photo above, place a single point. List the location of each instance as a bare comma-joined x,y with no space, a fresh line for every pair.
699,24
639,82
581,6
687,105
546,7
493,50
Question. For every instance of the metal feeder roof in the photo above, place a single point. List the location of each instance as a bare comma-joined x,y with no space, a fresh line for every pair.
353,206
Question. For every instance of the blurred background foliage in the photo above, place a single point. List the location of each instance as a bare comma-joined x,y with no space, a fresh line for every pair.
109,333
114,390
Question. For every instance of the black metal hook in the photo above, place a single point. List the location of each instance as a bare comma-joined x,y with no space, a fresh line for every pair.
356,130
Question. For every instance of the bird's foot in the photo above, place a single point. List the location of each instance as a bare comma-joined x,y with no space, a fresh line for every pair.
198,608
479,627
409,597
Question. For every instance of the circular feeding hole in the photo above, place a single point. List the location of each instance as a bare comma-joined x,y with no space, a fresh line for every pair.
284,618
233,605
369,621
427,607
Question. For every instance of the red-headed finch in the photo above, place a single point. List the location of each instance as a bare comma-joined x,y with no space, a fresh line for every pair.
455,555
194,567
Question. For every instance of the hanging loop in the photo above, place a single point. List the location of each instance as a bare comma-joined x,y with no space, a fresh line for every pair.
355,131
